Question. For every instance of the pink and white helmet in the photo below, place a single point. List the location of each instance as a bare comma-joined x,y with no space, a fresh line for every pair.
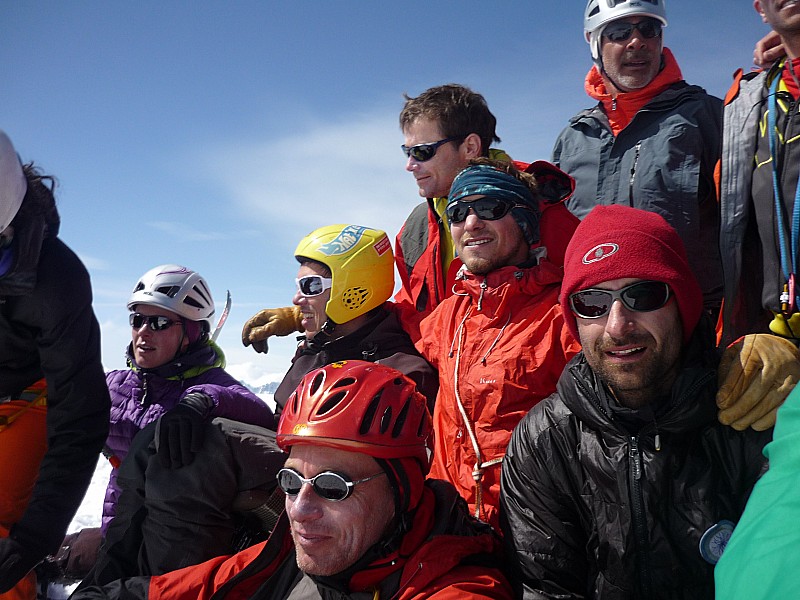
176,289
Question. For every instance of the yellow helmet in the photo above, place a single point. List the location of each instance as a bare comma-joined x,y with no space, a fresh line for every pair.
361,264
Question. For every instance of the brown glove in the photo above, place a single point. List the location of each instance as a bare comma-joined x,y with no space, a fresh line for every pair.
755,375
269,322
78,552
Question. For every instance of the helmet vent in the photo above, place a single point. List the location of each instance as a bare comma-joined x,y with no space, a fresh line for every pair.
344,382
170,291
369,413
317,382
386,419
192,302
202,291
355,297
139,287
397,430
421,428
331,403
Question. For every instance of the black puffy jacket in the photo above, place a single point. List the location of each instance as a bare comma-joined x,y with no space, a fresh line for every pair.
590,510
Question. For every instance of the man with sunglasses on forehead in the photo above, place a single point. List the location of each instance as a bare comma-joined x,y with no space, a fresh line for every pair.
652,141
623,484
361,521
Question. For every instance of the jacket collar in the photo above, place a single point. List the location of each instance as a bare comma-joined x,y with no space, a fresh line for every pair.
529,280
690,404
622,107
198,358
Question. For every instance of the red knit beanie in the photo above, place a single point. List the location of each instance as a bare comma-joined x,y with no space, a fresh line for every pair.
620,242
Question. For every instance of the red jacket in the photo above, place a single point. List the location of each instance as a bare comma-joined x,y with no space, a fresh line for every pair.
499,350
418,245
445,555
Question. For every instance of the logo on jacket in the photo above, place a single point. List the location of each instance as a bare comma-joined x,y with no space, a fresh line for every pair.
343,242
599,252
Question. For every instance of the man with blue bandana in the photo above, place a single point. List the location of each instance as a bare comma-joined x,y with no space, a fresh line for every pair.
499,341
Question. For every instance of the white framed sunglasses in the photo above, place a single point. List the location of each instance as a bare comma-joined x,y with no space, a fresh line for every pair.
313,285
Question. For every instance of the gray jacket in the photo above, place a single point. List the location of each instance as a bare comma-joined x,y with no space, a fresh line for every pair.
663,162
740,241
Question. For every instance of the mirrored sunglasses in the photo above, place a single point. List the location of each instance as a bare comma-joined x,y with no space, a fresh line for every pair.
424,152
313,285
643,296
154,322
622,31
486,209
328,484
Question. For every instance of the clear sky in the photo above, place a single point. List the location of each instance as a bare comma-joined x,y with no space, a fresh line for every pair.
217,134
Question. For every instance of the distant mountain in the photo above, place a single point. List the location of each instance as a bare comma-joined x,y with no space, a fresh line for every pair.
267,388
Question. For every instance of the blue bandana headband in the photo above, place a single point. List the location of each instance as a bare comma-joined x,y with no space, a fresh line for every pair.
485,180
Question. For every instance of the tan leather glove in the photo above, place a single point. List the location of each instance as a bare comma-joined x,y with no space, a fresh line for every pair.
269,322
755,375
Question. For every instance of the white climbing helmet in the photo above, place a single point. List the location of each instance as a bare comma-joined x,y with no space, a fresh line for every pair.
600,13
177,289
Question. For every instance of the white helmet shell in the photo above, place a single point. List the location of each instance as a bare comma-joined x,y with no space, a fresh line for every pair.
600,13
13,184
176,289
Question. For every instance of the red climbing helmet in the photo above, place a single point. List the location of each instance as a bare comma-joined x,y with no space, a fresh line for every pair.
361,407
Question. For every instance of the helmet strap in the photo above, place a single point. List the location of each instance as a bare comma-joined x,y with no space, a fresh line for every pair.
179,349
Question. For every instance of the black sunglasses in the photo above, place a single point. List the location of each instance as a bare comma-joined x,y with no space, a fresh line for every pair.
622,31
155,322
486,209
642,296
328,484
424,152
313,285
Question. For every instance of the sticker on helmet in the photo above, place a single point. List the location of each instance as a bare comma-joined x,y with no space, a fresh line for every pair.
343,242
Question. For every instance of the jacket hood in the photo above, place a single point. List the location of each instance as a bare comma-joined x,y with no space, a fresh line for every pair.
27,248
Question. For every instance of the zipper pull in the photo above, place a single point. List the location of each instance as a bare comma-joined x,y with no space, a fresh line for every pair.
480,296
635,458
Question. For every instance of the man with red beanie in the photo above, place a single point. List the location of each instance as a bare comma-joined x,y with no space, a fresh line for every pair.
623,484
361,521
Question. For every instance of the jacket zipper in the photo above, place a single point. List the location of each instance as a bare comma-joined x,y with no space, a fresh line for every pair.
638,516
636,149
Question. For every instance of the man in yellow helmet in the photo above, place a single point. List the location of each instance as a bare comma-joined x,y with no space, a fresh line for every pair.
346,276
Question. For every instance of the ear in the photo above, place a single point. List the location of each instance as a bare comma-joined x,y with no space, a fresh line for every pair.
759,10
471,146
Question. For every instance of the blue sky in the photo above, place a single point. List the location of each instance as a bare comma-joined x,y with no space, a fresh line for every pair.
217,134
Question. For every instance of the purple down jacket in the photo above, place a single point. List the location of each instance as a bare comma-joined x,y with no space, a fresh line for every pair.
140,397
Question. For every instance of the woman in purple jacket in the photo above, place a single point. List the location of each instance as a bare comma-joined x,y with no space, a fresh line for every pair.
176,377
